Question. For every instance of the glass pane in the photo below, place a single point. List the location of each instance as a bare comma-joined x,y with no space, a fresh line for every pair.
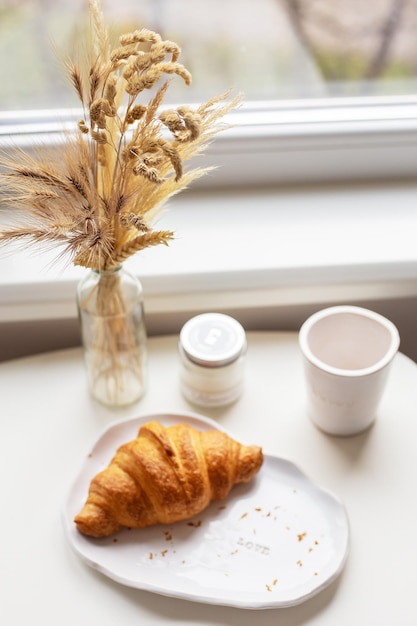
268,49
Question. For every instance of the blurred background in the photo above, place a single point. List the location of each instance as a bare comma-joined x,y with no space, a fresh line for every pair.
268,49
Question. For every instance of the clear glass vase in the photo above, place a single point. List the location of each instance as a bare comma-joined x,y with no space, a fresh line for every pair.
110,308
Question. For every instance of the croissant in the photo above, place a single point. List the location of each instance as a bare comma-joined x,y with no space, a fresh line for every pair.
164,476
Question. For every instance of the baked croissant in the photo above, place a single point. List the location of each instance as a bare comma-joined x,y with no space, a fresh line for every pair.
164,476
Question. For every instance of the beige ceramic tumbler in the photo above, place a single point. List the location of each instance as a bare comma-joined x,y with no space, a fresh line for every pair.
347,353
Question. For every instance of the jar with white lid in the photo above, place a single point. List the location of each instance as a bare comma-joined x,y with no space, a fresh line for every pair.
212,349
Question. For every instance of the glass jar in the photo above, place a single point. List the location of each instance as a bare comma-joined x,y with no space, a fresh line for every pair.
110,308
212,349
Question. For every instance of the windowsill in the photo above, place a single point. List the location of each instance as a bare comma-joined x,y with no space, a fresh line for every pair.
248,249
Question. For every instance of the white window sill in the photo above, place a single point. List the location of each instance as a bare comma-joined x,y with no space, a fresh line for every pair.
250,249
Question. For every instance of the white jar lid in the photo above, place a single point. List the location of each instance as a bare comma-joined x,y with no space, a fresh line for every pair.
212,339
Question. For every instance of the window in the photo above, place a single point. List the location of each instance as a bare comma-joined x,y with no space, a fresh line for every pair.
330,95
338,78
269,49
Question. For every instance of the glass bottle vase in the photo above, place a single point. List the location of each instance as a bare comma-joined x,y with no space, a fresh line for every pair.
111,314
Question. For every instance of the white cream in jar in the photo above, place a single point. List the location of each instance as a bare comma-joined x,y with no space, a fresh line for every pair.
212,349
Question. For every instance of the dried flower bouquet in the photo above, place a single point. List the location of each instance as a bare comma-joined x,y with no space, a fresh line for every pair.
96,196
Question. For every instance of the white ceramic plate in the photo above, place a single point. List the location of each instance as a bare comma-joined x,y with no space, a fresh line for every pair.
272,543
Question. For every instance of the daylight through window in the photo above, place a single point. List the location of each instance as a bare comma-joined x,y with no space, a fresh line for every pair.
268,50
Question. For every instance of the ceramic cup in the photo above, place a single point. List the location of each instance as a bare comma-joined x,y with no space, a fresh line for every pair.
347,353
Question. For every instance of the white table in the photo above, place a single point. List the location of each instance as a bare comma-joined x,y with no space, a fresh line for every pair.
48,422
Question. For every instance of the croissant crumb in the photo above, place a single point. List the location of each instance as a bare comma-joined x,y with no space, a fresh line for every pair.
165,475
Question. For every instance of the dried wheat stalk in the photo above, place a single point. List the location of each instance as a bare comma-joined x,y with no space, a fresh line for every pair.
97,198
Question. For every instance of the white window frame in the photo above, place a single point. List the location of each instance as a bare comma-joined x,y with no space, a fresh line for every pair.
269,146
314,140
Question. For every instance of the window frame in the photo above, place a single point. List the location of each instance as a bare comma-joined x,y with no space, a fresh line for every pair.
268,146
270,142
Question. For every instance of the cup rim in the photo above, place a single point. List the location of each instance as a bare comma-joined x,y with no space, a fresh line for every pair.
323,313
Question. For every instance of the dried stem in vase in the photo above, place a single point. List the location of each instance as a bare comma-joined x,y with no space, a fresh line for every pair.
97,195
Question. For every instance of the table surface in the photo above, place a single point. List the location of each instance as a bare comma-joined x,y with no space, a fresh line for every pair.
48,423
